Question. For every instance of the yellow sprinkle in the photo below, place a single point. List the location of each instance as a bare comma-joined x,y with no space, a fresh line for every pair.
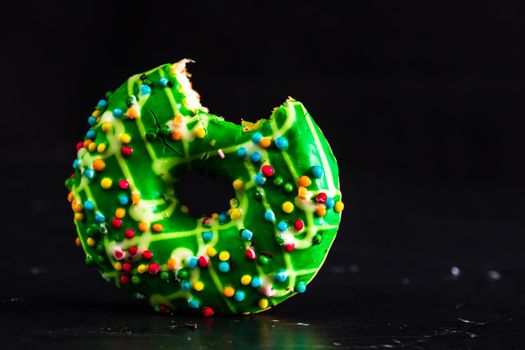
79,217
288,207
234,203
320,210
142,268
106,183
339,206
229,291
90,241
304,181
199,132
171,264
246,280
95,113
235,213
135,198
143,226
99,164
157,227
101,148
263,303
125,138
238,184
77,242
176,136
120,213
178,119
265,142
184,209
117,266
211,252
215,216
92,147
302,192
106,126
198,286
224,256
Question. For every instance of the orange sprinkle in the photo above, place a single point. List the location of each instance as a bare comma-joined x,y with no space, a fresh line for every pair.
143,226
157,227
177,119
132,112
70,196
176,136
320,210
304,181
171,264
87,142
95,113
120,213
302,192
265,142
77,242
99,164
135,198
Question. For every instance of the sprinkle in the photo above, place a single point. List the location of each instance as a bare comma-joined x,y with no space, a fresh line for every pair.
203,261
125,138
99,164
281,143
185,285
224,266
235,213
101,148
88,205
263,303
151,135
304,181
257,137
207,236
246,279
153,268
143,226
302,192
298,224
211,252
92,147
288,187
247,235
198,286
300,287
102,104
157,227
330,202
118,113
135,280
126,267
92,120
120,213
316,171
79,217
99,217
118,254
117,266
269,215
320,210
256,282
224,256
192,262
123,184
238,184
250,254
268,290
321,197
241,152
221,153
287,207
239,295
133,250
207,311
194,304
171,265
76,164
145,90
116,222
106,127
289,247
255,157
147,255
267,170
163,82
106,183
278,181
263,260
199,132
259,179
184,209
126,151
282,226
135,198
265,142
223,218
124,279
129,233
228,291
281,276
142,268
90,173
339,206
90,241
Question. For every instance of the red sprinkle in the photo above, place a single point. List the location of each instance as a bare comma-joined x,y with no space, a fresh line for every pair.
250,254
126,151
203,261
133,250
153,268
298,224
116,222
124,184
321,197
118,254
267,170
126,267
289,247
164,309
207,311
124,279
147,254
129,233
80,144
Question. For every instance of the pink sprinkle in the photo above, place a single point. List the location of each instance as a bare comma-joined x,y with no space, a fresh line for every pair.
118,254
221,153
268,290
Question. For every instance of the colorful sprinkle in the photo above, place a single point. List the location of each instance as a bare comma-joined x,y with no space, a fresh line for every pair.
282,226
198,286
339,206
269,215
207,311
265,142
145,90
304,181
300,287
224,256
281,276
224,266
287,207
257,137
88,205
281,143
267,170
316,171
239,296
228,291
255,157
246,235
106,183
207,236
256,282
241,152
246,280
259,179
321,198
263,303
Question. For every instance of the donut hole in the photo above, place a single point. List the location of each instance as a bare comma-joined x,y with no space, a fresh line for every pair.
204,193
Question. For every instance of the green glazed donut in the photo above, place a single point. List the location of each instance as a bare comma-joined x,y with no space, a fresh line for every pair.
131,224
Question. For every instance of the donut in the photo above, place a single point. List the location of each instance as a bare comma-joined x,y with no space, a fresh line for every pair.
133,227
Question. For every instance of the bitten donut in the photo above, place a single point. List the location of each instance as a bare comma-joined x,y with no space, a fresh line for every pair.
131,224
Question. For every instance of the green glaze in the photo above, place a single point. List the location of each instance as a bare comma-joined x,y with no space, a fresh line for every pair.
159,160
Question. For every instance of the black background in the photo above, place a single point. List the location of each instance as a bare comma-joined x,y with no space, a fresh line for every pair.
423,107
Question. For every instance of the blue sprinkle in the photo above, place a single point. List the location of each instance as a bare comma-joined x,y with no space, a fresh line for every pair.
223,218
282,226
317,171
300,287
91,134
76,164
163,82
192,262
256,282
255,157
330,202
145,90
207,236
88,205
102,104
257,137
123,200
246,235
194,303
99,217
185,285
281,143
259,179
241,152
239,295
92,120
269,215
281,276
224,266
90,173
118,113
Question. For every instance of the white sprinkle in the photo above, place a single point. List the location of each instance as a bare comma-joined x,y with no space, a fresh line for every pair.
221,153
455,271
494,275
